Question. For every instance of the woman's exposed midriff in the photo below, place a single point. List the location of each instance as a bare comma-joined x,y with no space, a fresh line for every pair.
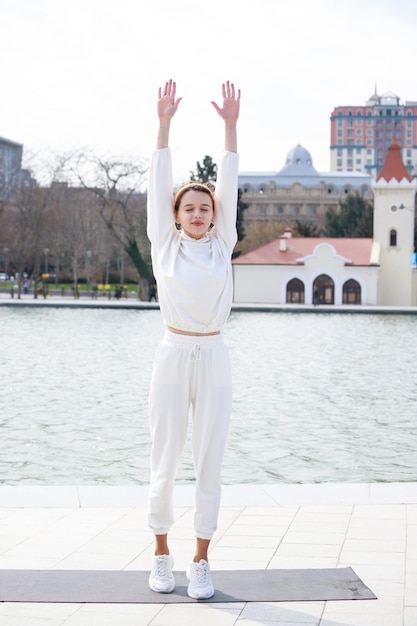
186,332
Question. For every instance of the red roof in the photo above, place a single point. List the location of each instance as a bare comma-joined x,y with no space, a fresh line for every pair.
394,165
357,251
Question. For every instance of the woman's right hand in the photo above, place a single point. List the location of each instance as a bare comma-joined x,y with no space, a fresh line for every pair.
167,103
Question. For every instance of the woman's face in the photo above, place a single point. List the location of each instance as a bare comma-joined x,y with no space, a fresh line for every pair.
195,213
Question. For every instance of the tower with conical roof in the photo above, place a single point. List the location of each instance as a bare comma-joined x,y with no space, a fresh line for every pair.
394,212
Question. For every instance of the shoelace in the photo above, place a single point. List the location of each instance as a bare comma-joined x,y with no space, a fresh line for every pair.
161,567
201,573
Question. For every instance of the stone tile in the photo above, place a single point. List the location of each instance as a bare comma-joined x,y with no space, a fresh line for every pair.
352,619
412,511
238,554
411,589
379,511
192,614
372,558
94,561
301,562
374,545
253,530
281,512
229,565
34,550
323,539
411,565
320,526
27,562
251,541
281,612
308,550
326,512
111,614
44,611
410,616
378,533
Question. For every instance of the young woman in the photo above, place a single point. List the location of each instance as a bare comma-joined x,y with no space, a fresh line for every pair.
192,237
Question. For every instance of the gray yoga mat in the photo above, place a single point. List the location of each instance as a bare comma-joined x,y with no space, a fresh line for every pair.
270,585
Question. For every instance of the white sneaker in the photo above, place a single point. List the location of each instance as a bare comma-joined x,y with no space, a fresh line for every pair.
161,578
200,586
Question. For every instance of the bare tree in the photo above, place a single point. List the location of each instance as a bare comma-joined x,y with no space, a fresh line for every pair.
28,228
73,235
116,185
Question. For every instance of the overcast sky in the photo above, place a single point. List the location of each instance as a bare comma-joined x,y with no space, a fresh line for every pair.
85,73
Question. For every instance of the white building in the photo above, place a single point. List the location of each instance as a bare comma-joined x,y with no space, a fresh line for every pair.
369,271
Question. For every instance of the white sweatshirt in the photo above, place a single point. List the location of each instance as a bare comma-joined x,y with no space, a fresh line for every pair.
194,276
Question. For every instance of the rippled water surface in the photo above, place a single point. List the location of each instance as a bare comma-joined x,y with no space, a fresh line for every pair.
317,397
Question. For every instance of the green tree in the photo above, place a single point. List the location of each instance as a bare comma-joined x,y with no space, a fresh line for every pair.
305,229
241,233
354,219
205,173
259,233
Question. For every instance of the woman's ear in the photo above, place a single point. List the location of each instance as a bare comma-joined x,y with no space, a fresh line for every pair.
177,223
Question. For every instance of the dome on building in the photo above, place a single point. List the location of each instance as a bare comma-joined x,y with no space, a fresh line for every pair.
389,98
299,163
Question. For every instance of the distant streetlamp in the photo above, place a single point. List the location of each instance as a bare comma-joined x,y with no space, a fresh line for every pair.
45,251
121,268
88,265
6,252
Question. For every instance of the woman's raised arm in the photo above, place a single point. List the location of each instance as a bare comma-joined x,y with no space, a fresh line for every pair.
167,107
229,112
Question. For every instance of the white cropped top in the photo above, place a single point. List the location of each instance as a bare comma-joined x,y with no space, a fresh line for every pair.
194,276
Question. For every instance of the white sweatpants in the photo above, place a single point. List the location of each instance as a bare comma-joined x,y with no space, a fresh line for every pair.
189,372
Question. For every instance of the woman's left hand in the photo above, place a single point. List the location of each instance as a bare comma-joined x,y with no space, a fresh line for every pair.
229,112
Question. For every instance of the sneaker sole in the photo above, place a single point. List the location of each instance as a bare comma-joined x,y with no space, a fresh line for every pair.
200,597
168,590
162,591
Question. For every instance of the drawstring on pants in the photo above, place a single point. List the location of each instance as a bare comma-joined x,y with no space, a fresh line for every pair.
196,352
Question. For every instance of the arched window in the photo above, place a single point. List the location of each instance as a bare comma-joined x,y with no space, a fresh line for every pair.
295,291
351,292
393,237
323,290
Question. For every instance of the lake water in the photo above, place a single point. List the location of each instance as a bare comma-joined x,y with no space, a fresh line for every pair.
317,398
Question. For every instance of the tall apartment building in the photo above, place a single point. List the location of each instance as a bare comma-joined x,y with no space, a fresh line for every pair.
360,135
10,159
10,167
